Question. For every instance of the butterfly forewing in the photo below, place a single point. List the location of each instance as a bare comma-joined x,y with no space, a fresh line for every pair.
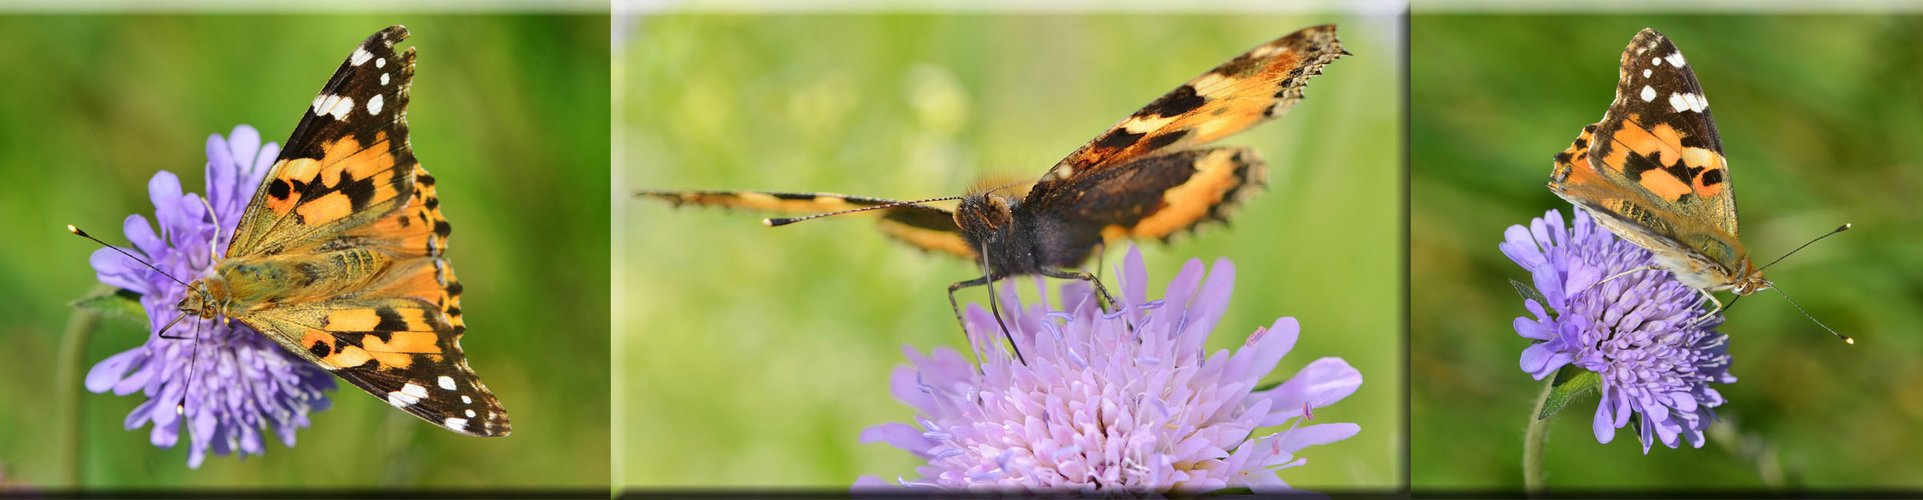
1653,168
347,162
920,226
1249,89
350,226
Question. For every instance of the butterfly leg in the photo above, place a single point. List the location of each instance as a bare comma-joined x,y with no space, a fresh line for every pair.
1623,274
1720,306
993,308
1084,276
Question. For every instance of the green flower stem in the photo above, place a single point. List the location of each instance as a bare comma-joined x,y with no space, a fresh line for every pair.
73,344
1532,439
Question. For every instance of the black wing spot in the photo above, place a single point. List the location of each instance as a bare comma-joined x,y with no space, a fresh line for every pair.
1713,177
1160,141
1182,100
280,189
359,192
441,228
1118,139
1635,164
320,349
391,321
1682,172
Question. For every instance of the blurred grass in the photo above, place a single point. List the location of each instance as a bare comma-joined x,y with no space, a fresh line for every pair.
1819,116
754,357
508,112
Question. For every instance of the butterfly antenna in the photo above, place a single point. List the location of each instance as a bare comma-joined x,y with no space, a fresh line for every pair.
76,231
193,357
783,221
1844,227
1799,308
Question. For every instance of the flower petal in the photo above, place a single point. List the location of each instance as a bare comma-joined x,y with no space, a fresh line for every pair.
1320,384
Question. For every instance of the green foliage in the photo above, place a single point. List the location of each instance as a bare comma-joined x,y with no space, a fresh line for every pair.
755,356
1571,384
509,112
1819,117
117,303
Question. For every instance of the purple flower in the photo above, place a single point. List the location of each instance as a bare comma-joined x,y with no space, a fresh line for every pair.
1124,401
226,379
1645,334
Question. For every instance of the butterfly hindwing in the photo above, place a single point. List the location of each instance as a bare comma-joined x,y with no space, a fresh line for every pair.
402,350
1249,89
1154,197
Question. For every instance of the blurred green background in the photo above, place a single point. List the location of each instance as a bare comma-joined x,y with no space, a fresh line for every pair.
1820,118
508,112
755,356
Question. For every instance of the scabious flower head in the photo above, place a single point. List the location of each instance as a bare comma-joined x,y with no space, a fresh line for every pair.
226,381
1644,333
1122,401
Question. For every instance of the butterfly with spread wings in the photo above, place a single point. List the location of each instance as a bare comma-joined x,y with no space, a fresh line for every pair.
338,257
1149,176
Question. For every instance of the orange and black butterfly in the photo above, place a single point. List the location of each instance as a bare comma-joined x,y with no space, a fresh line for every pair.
1653,172
1149,176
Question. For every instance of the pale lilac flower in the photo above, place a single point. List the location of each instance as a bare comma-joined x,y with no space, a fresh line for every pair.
1644,333
234,380
1127,401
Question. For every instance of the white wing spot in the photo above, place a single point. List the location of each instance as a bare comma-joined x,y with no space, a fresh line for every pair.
1675,59
404,398
384,77
374,108
459,424
361,55
380,63
470,413
467,401
1656,61
1688,102
446,382
333,105
1649,93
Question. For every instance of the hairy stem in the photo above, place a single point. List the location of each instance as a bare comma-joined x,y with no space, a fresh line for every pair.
73,344
1532,440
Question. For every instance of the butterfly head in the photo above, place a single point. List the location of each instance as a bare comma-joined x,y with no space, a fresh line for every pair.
201,299
983,215
1750,283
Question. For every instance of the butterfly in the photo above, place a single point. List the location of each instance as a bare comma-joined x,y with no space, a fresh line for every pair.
1148,176
339,258
1653,172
